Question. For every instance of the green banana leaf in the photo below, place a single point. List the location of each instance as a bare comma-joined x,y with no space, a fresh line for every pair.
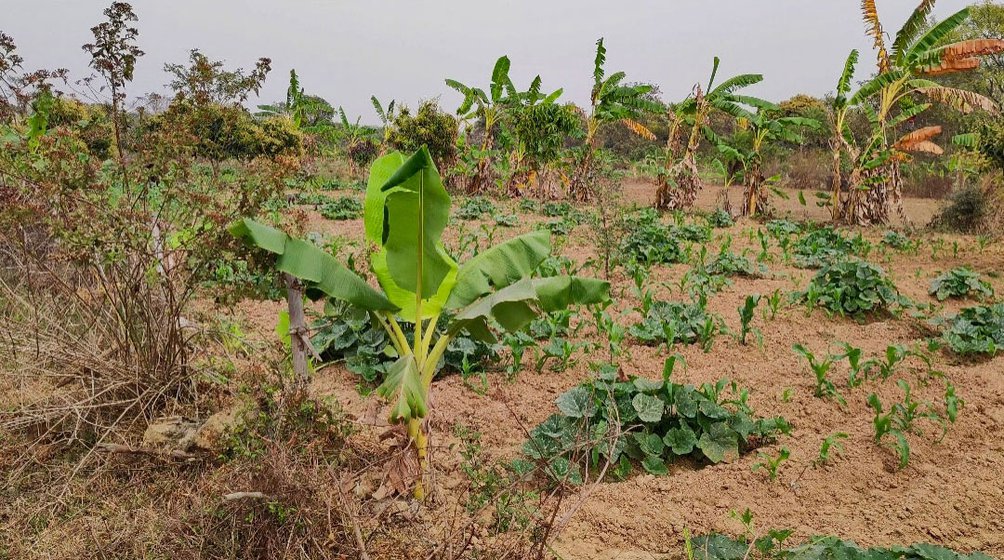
403,388
499,267
406,211
514,306
322,274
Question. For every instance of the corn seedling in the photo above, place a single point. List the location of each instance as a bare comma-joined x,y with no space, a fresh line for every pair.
771,464
832,445
820,367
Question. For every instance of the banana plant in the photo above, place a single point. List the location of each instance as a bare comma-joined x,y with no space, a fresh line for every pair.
492,108
611,101
904,72
386,115
406,211
763,126
294,105
680,181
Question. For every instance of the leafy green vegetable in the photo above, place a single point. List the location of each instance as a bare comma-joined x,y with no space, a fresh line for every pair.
342,208
960,282
975,330
854,288
652,422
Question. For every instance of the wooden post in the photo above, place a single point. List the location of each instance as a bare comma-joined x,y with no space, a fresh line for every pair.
298,341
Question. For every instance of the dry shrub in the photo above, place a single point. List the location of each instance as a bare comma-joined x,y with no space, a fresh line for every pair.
975,209
287,499
804,170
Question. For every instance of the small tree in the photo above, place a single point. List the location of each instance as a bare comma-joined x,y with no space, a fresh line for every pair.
113,55
207,82
903,74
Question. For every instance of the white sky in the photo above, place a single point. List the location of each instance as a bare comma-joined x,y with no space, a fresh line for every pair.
347,50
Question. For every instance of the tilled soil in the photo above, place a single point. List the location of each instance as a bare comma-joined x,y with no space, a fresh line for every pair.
951,493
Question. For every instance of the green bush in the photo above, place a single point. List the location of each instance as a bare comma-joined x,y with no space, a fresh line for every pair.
474,208
770,547
966,211
91,123
960,282
728,263
720,219
896,240
429,127
222,132
854,288
652,422
648,240
670,322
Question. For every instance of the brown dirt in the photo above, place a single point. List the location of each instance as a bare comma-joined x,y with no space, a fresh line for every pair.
950,494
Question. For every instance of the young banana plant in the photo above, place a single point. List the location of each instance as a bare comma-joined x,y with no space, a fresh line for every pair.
406,211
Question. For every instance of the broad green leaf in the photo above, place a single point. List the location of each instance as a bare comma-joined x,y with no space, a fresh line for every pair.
406,213
514,306
686,403
499,267
654,465
647,385
649,408
576,403
680,440
719,443
719,547
320,271
282,328
403,388
712,409
650,444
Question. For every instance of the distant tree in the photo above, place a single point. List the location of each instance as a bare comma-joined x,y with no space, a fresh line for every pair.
306,111
113,55
203,81
429,127
17,87
611,101
680,181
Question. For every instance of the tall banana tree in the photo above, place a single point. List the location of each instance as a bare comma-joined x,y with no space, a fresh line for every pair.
843,139
611,101
764,126
903,75
386,116
488,108
293,107
406,211
680,181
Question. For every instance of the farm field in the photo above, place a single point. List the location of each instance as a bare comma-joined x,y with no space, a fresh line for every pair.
495,318
947,494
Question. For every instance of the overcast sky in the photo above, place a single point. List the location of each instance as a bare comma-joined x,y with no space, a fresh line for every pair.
347,50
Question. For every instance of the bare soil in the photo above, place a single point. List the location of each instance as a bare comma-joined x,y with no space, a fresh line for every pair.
952,492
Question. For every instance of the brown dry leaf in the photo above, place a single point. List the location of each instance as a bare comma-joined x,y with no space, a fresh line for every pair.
972,48
952,66
403,470
926,147
962,100
919,135
639,129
